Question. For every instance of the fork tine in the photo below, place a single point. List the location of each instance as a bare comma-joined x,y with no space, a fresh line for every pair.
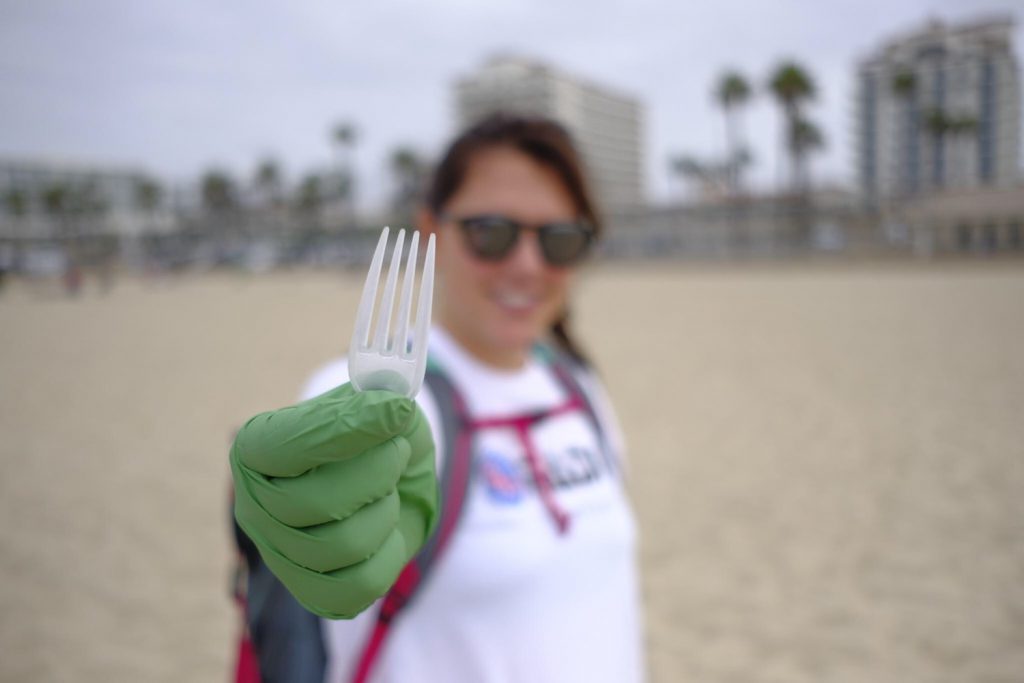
361,334
405,302
423,307
387,299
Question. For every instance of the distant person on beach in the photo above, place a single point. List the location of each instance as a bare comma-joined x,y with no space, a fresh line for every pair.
73,278
516,561
6,263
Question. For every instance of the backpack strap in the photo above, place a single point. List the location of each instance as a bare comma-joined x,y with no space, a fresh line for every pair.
457,467
280,639
458,429
564,368
454,484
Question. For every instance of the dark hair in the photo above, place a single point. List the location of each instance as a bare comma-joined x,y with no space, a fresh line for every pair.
544,141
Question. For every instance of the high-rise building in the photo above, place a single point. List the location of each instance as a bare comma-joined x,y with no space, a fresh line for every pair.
939,108
607,125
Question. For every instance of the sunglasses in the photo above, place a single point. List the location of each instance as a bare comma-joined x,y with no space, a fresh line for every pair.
492,237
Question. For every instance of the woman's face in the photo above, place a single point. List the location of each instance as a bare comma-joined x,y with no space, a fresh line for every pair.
498,309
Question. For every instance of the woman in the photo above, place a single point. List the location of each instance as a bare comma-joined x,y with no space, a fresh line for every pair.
532,576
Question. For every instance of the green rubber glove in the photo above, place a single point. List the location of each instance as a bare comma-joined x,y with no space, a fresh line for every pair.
338,493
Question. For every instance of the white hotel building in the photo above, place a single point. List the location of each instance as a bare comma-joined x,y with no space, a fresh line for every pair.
607,125
966,75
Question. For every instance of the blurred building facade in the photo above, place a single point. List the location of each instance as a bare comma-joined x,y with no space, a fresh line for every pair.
937,109
607,125
45,200
980,220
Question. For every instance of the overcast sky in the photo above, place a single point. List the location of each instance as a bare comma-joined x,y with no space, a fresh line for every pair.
178,87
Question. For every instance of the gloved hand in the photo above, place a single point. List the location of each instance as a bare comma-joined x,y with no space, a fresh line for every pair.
338,493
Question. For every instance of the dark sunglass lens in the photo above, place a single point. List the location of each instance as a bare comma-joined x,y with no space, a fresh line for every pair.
564,243
490,237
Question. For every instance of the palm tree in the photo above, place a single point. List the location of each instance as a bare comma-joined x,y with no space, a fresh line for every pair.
904,87
16,202
408,169
904,83
309,198
88,206
711,180
267,182
56,200
148,194
90,198
687,169
147,197
791,86
267,185
218,191
732,92
804,138
67,206
959,128
941,126
344,136
56,203
936,124
219,199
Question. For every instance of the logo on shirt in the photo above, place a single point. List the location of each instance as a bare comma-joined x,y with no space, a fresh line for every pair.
502,478
506,479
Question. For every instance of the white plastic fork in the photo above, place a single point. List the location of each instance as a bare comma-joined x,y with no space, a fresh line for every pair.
394,363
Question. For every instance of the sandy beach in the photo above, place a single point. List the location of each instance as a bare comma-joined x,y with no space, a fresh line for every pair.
826,463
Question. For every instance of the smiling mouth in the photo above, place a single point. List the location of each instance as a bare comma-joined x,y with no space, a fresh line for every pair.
516,301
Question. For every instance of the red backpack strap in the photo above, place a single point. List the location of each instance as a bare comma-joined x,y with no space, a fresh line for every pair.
458,429
279,639
454,484
564,369
247,669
